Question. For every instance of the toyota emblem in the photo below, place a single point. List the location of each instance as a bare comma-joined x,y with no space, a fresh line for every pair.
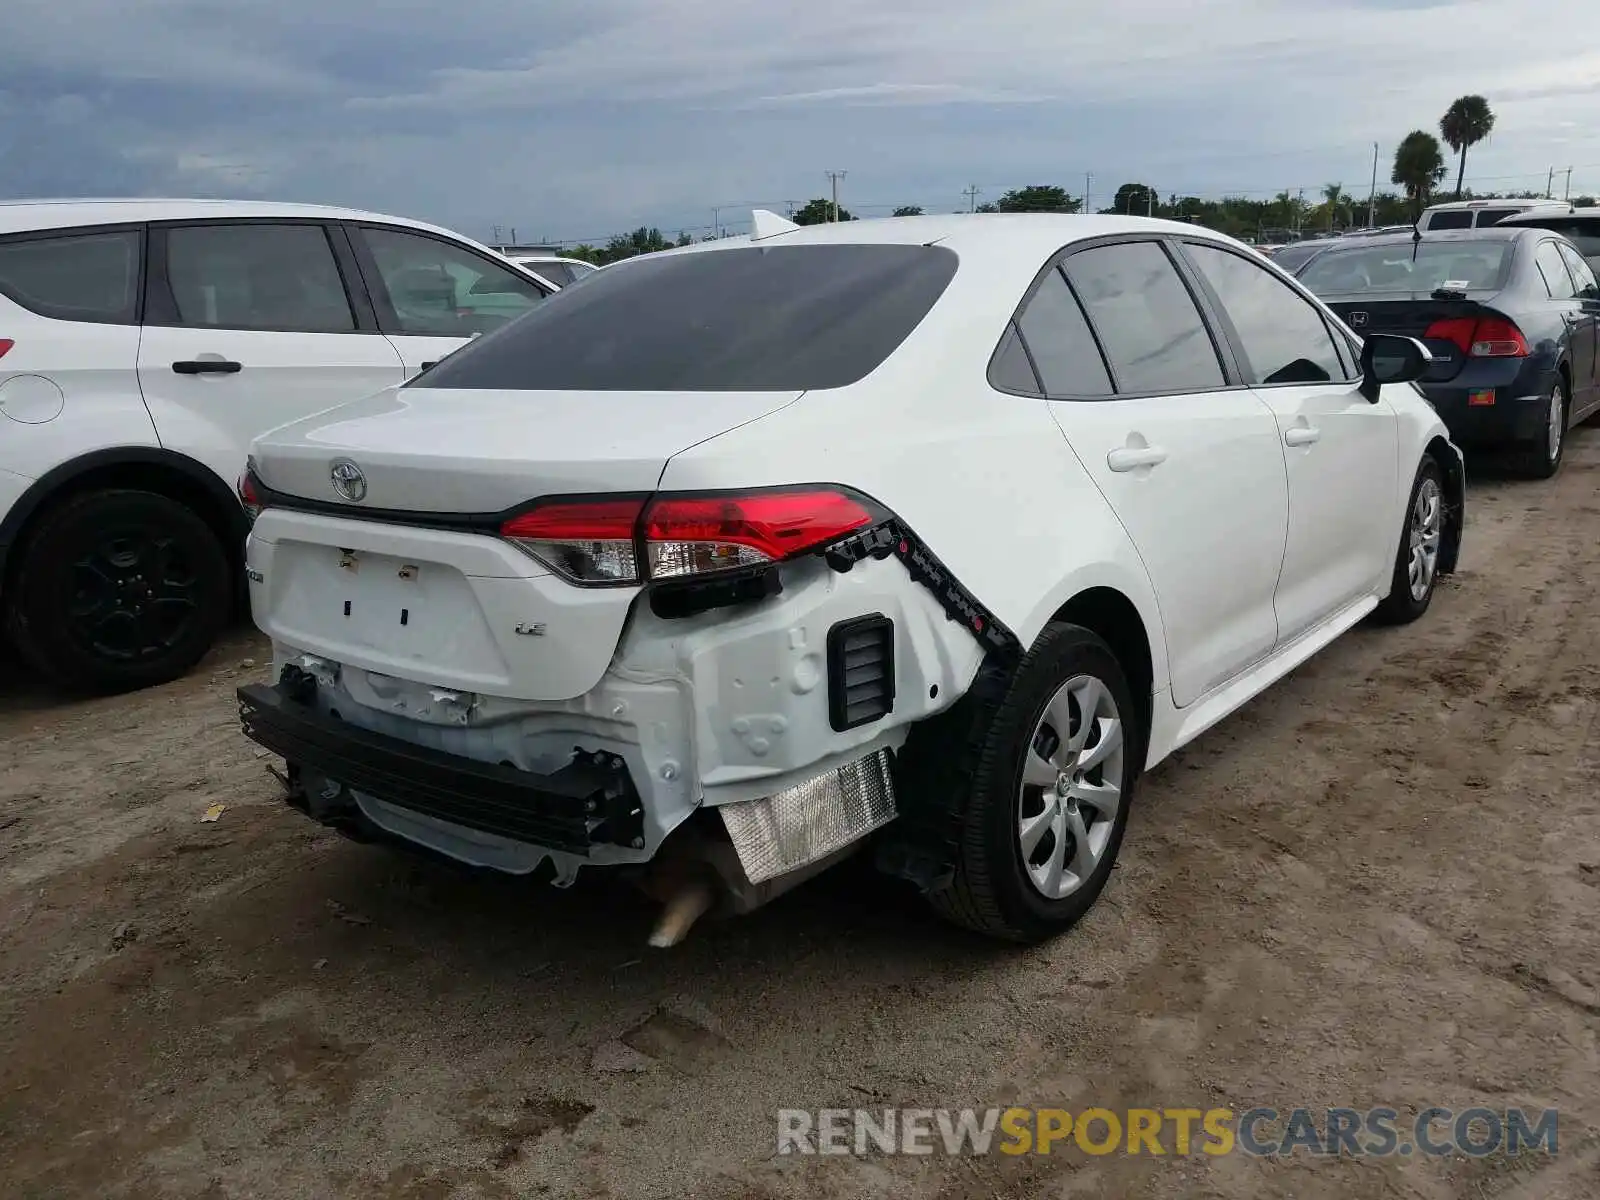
348,480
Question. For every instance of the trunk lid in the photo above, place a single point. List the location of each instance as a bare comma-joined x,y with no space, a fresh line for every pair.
455,607
1412,315
430,450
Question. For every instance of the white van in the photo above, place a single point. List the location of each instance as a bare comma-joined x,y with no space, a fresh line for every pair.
1475,214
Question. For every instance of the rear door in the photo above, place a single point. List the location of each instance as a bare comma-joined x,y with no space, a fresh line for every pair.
1190,464
432,294
1340,449
248,325
1585,323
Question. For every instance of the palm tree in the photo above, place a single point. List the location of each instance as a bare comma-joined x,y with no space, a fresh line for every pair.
1333,197
1466,123
1418,167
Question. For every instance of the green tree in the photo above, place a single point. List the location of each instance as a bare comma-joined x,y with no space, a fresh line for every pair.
1418,167
584,253
1038,197
644,240
908,210
1583,202
1468,121
1136,199
820,212
986,207
1333,196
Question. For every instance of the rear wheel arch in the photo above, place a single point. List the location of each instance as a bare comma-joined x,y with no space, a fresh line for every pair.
147,469
1114,618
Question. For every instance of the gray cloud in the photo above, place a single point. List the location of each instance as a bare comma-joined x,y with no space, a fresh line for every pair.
581,117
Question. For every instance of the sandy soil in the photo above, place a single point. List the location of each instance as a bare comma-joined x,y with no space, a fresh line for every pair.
1378,884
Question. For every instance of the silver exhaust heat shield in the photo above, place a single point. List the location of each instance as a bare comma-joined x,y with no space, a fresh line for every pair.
784,832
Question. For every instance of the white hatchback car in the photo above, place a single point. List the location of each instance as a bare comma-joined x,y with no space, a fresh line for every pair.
736,555
143,343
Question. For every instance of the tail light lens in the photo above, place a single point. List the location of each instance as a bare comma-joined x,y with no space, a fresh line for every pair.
599,541
585,541
1481,337
249,496
5,346
699,535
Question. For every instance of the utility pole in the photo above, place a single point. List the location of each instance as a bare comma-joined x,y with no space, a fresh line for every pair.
1149,202
1088,183
834,177
1372,199
1550,185
972,192
1567,194
497,240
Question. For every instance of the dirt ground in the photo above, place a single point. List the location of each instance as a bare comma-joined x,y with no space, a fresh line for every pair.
1377,885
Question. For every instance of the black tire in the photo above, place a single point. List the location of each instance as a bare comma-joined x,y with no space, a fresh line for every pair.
87,612
1400,607
1535,460
991,890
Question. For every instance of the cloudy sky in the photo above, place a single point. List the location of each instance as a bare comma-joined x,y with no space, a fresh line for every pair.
574,119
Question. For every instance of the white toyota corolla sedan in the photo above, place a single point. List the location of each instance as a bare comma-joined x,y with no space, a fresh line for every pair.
929,533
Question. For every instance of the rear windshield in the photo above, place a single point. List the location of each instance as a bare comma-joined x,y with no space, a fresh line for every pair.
1468,265
776,318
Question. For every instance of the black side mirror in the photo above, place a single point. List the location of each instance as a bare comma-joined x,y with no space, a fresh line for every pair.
1388,358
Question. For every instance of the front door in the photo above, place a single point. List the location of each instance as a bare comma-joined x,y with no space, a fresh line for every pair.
1191,468
1585,321
435,295
1340,450
248,326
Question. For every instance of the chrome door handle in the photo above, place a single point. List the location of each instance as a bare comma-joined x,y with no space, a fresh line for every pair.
1302,435
1131,458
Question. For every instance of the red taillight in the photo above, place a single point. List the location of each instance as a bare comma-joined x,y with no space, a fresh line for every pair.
695,535
1498,338
248,495
1481,337
5,346
585,541
595,541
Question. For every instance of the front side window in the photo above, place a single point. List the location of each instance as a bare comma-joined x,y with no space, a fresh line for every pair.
1063,349
1148,323
257,276
1283,336
1582,275
1557,280
763,318
437,288
74,277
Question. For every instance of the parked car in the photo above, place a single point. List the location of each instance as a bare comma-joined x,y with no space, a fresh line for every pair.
1581,227
1479,214
143,343
1294,254
558,270
930,523
1510,315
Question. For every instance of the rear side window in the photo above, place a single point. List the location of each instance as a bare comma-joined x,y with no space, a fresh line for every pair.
75,277
778,318
1063,349
1557,279
1455,219
1147,321
1011,371
1493,216
257,276
1584,234
1283,336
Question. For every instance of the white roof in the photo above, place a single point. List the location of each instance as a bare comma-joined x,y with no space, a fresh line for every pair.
1026,234
18,216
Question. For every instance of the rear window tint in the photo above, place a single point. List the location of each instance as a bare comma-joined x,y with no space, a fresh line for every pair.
1493,216
779,318
77,277
1457,219
1471,265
